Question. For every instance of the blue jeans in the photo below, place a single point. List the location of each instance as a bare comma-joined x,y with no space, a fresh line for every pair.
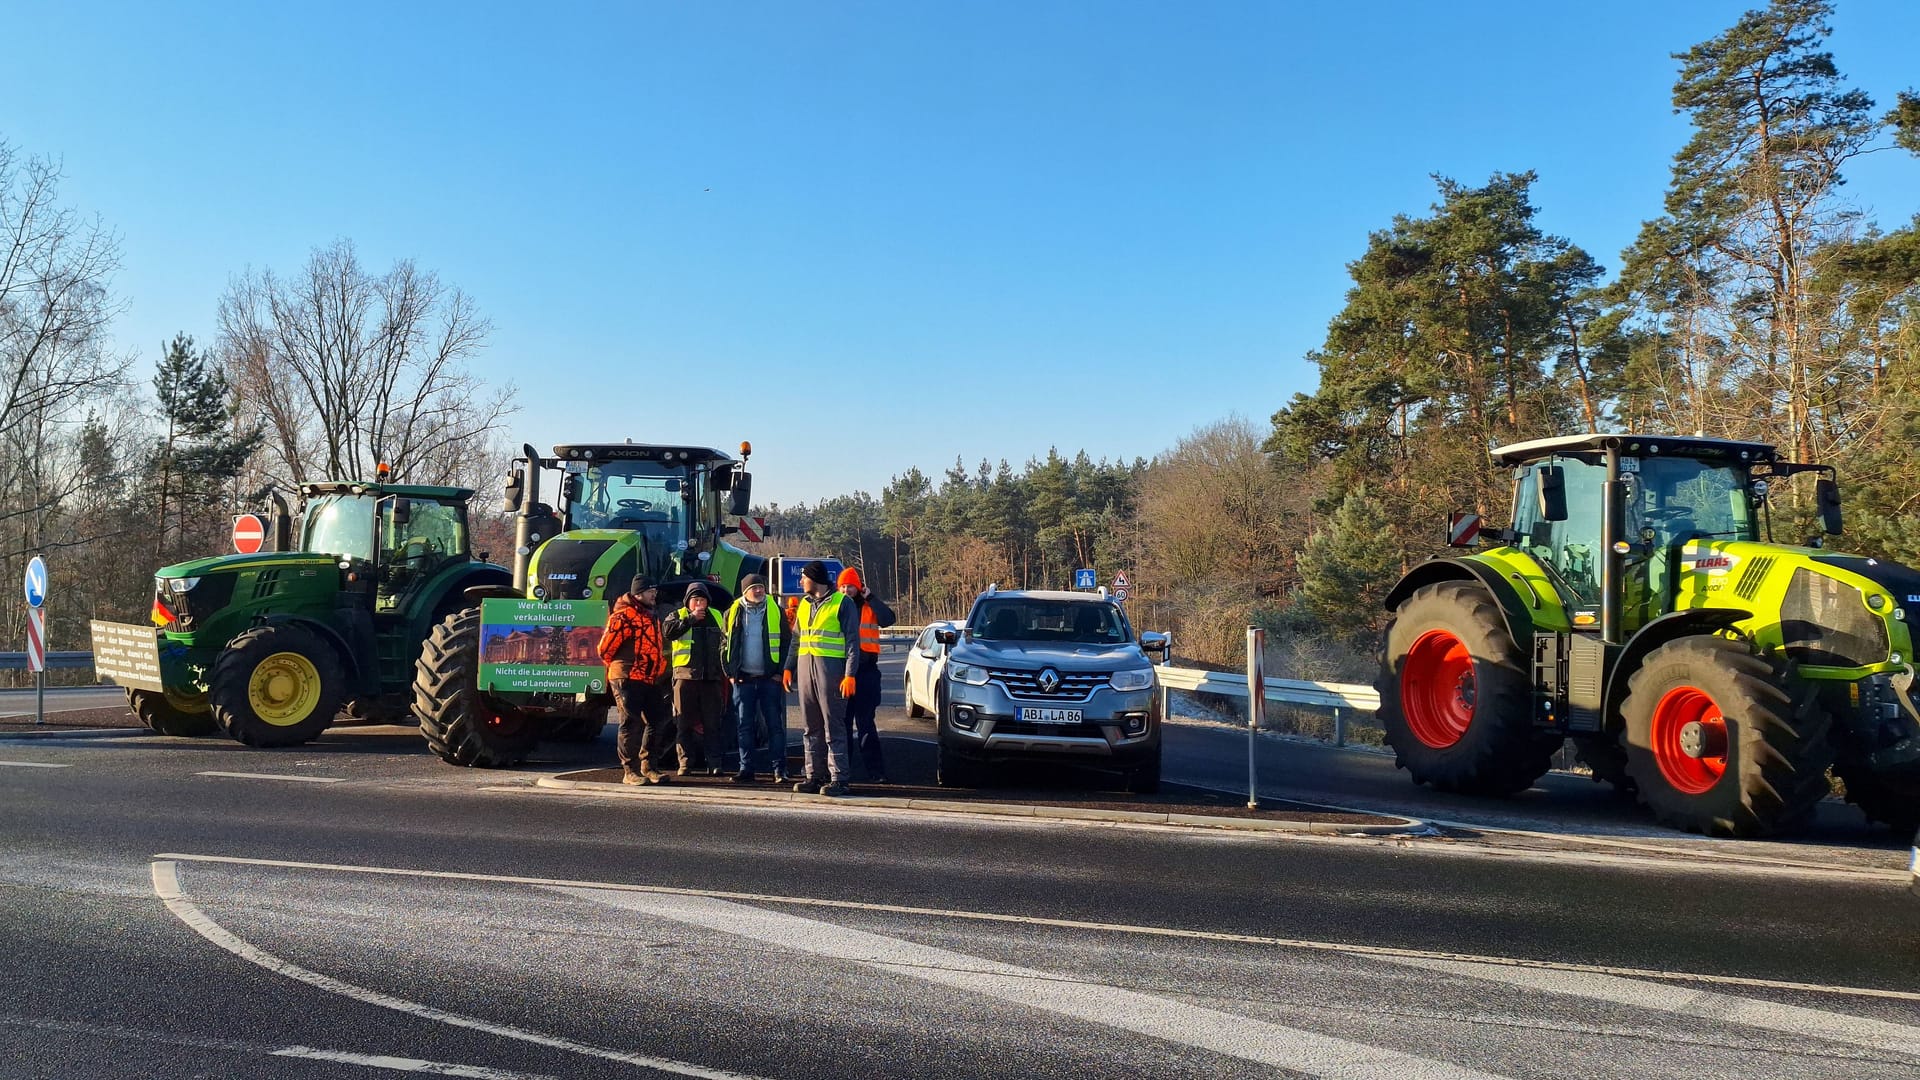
759,700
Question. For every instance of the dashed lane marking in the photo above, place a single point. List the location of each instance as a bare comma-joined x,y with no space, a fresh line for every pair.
166,885
1075,924
372,1061
35,765
276,776
1158,1017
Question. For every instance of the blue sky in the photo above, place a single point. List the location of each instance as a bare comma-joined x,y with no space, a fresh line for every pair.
991,227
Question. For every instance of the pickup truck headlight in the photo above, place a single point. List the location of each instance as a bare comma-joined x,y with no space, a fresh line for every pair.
967,673
1137,679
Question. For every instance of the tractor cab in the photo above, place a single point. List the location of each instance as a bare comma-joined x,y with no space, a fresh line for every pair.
391,539
626,509
1671,493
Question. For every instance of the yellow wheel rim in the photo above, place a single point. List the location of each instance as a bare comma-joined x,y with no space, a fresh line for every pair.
186,702
284,689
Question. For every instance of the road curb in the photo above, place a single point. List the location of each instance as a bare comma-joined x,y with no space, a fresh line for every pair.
74,733
1389,825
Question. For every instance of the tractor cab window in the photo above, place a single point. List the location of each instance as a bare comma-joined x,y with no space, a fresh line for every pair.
649,497
1673,500
340,525
1570,547
431,534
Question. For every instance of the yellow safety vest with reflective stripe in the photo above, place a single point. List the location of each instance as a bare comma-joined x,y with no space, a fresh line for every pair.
819,626
774,655
683,645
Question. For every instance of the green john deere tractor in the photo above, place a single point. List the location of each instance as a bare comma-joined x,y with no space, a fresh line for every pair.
1639,606
624,509
269,647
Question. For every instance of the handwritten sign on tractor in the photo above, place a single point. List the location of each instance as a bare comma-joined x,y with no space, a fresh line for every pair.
126,654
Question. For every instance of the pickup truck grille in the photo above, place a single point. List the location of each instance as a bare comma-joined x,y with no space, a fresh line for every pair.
1025,685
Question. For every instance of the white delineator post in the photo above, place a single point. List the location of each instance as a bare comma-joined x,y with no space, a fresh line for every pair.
1256,709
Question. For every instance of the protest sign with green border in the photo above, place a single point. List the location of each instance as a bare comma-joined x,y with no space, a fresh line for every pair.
543,646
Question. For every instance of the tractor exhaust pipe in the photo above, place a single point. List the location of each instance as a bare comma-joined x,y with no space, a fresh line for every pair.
282,522
526,493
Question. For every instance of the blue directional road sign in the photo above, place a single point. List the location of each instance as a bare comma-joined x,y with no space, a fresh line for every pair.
786,573
1083,578
36,582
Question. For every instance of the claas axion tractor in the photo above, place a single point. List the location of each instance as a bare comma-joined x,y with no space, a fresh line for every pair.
623,509
1637,605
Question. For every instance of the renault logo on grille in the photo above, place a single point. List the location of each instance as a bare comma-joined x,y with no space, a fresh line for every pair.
1049,680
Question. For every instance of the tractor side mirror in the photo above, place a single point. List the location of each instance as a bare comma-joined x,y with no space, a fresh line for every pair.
570,489
1826,493
402,512
516,490
740,494
1553,493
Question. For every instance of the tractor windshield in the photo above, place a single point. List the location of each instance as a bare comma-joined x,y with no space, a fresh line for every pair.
340,525
668,503
1680,499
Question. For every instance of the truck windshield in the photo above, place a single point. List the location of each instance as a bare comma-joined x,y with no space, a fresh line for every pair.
340,525
654,498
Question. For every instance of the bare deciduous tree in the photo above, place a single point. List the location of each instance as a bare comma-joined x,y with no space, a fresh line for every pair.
347,369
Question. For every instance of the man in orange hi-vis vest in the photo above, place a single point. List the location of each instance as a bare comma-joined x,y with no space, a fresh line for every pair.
865,700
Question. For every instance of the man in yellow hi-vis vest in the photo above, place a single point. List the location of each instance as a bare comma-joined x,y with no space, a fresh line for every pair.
760,648
698,644
829,628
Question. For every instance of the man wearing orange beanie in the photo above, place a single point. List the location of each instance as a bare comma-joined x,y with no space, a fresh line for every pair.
865,699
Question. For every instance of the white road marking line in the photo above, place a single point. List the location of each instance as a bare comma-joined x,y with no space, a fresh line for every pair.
35,765
377,1061
1073,924
1095,1003
400,1064
1686,1001
166,885
276,776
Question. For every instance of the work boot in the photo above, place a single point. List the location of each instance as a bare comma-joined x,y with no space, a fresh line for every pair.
808,787
653,777
744,778
835,789
628,776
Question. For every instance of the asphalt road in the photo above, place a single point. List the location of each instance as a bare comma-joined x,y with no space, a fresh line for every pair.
357,908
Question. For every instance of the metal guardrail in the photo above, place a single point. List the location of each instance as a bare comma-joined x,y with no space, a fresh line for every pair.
1322,695
17,661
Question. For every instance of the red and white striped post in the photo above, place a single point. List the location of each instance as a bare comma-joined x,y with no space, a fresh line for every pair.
35,585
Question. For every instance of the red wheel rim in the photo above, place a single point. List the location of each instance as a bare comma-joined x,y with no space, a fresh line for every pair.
1437,689
1681,706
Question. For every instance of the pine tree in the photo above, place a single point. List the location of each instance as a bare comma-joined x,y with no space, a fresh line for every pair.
201,449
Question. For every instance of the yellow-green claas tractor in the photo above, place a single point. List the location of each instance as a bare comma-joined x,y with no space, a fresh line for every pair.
1638,605
624,509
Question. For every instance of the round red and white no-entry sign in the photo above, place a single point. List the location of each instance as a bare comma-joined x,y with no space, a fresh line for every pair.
249,533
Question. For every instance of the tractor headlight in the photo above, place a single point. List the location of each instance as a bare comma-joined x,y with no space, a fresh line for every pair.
1876,602
182,584
967,673
1137,679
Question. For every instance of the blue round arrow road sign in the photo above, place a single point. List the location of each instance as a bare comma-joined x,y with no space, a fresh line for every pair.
36,581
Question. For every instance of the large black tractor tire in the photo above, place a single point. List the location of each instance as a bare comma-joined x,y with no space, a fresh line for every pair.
1897,805
578,723
1456,700
461,724
170,715
1714,743
278,685
1607,759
